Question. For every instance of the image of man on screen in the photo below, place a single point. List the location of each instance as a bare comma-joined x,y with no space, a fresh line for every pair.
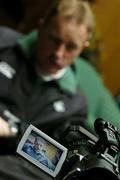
38,152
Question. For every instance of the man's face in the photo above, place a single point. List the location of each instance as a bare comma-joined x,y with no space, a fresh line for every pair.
38,145
60,43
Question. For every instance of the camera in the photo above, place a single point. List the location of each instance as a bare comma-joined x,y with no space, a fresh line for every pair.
91,157
80,155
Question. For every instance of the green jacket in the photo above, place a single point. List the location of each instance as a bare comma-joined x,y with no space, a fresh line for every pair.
101,104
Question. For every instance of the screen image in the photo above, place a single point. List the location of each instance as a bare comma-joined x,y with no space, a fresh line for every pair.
41,150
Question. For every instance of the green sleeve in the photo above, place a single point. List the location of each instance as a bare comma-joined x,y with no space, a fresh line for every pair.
108,109
101,103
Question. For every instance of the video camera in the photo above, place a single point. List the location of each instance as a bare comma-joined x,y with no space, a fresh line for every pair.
81,155
90,157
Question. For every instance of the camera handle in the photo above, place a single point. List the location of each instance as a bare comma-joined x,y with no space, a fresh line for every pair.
108,144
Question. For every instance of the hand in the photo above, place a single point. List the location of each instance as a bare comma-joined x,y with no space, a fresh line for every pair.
4,128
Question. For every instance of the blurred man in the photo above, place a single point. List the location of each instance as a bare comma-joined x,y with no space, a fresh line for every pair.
37,151
46,84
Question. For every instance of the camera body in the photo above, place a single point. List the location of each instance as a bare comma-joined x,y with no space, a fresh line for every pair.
90,156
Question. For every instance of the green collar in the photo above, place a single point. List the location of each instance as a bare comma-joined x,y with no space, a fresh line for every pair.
68,82
27,43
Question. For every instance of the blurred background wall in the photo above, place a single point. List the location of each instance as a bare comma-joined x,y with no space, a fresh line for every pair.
108,19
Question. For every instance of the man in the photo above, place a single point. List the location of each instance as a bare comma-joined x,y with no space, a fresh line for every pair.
37,151
46,84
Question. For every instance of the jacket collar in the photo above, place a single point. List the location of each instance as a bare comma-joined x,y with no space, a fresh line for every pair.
27,43
68,82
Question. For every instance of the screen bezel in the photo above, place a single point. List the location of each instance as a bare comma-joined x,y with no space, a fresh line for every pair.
57,145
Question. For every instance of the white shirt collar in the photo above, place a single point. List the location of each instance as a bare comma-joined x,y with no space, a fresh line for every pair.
51,77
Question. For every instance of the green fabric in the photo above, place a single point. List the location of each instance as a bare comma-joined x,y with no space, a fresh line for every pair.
27,43
100,101
68,82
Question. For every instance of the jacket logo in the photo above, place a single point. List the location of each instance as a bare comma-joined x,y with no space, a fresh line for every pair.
7,70
59,106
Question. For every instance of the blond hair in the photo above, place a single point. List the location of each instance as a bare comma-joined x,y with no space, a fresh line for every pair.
78,10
